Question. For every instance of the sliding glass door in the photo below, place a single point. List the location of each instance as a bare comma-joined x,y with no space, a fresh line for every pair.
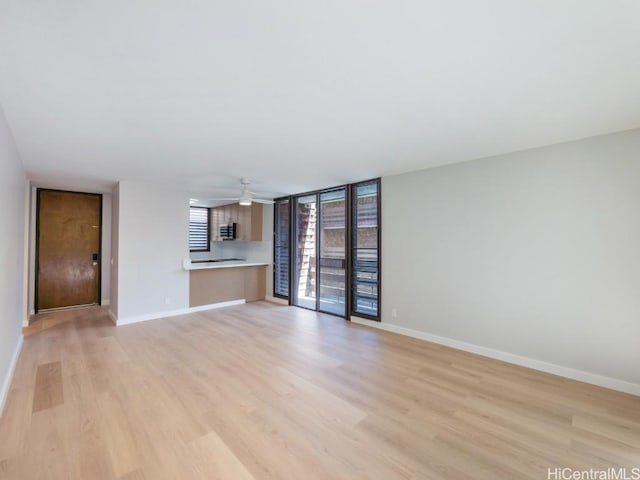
333,251
327,250
320,251
305,268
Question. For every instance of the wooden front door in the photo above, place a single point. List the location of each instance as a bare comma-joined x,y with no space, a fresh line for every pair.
68,235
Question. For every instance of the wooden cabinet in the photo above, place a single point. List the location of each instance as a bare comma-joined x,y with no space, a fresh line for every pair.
215,285
248,219
221,216
230,213
250,223
216,221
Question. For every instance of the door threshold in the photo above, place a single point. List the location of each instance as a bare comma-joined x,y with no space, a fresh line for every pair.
70,307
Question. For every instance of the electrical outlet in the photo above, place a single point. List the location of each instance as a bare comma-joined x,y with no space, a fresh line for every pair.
394,312
167,300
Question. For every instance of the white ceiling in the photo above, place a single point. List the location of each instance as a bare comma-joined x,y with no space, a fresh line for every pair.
301,94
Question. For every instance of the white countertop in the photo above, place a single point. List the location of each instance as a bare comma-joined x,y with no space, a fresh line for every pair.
229,264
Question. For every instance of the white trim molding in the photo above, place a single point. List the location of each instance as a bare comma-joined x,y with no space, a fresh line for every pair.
174,313
6,384
212,306
567,372
279,301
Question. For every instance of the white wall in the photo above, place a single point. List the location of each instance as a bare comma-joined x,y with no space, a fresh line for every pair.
12,198
115,229
153,240
27,271
535,253
105,264
32,251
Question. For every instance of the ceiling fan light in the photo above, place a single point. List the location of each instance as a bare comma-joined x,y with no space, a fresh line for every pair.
245,201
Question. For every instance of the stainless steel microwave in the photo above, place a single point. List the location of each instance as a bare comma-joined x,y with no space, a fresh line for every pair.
228,231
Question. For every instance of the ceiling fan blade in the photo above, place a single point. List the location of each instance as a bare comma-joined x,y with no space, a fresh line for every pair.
246,196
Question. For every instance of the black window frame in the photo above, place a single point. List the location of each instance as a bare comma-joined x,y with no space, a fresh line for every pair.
353,257
276,245
351,199
208,248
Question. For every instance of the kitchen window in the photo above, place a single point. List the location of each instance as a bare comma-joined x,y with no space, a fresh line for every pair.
199,229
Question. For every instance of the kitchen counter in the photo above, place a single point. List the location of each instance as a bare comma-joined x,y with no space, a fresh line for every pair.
223,264
225,281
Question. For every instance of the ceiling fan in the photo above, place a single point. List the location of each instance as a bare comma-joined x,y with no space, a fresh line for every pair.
246,196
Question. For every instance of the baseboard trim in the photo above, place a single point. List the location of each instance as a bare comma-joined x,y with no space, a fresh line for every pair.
567,372
113,317
174,313
105,303
150,316
279,301
213,306
6,384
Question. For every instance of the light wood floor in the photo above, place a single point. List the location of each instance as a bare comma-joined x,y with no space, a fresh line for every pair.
267,392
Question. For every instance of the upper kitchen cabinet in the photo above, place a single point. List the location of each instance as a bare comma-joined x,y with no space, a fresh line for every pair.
216,220
247,218
229,213
222,215
250,222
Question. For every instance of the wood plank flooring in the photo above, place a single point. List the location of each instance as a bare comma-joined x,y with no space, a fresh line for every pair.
261,391
48,387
